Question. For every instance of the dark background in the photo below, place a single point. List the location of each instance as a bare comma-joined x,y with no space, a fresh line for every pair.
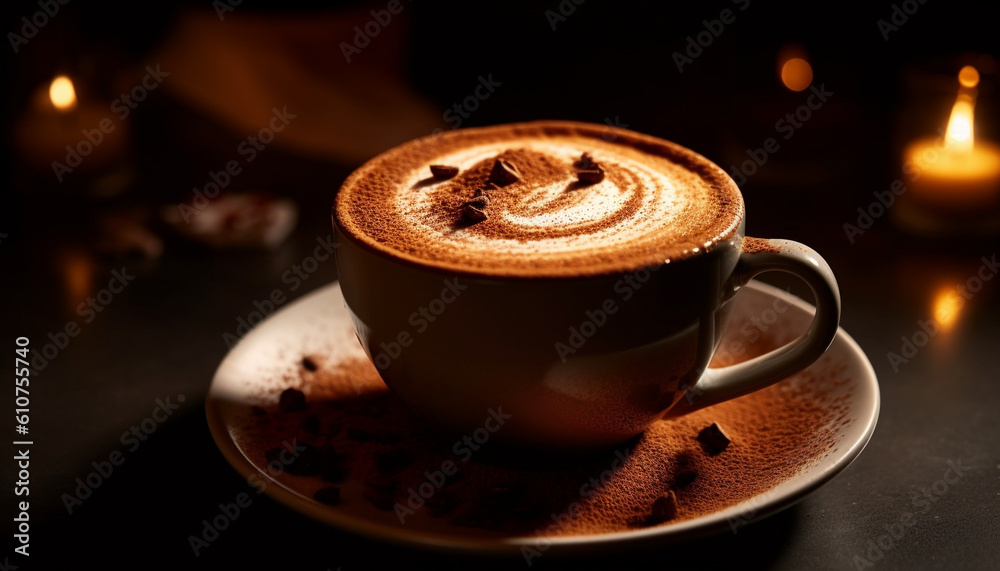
608,61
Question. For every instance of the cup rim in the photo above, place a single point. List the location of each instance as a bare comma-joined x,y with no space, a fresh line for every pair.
688,158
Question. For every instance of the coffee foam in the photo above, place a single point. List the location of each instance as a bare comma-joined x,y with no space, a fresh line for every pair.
657,202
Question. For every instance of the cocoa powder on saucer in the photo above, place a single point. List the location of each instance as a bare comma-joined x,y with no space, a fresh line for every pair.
353,429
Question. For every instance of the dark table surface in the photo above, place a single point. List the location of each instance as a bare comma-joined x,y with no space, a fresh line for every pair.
161,338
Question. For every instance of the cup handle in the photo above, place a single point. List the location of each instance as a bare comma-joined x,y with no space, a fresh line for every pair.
721,384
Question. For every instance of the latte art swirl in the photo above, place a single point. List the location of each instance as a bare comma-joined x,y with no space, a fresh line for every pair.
655,201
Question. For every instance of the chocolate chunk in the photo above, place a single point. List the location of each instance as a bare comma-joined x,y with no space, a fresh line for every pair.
393,460
329,495
309,365
588,171
258,411
590,176
475,210
664,508
481,198
684,477
292,400
473,214
585,162
713,439
443,172
504,172
479,202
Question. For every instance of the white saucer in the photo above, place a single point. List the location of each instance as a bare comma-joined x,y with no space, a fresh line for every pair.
257,369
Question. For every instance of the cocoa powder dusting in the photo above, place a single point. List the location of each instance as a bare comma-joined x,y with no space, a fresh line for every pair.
604,192
534,169
660,477
758,245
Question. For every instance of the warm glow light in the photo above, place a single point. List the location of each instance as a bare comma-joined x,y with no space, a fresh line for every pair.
958,173
78,270
62,94
796,74
947,305
968,76
959,134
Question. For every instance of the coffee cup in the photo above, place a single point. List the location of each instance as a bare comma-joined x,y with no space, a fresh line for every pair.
557,285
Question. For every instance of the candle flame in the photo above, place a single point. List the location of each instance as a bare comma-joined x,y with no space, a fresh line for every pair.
62,94
960,133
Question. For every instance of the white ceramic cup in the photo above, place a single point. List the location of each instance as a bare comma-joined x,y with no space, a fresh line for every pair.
571,363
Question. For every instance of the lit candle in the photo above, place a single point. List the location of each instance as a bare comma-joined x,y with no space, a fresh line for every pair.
956,172
63,133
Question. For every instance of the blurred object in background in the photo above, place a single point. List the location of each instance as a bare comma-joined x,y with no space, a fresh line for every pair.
236,220
127,232
189,108
781,139
950,167
67,138
345,106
